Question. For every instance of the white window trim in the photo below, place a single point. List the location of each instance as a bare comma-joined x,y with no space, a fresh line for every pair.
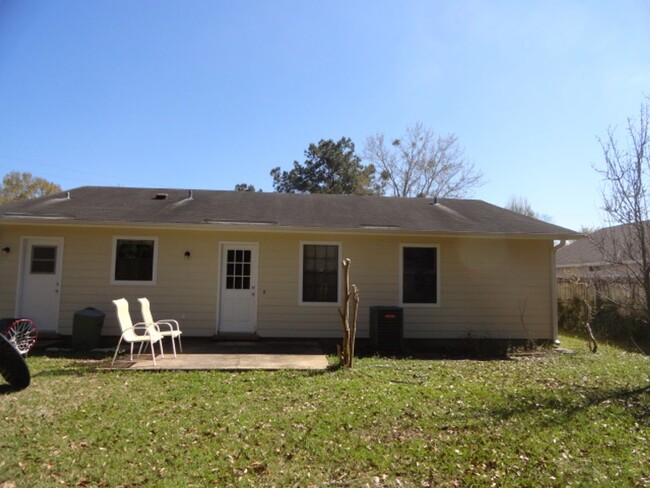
401,277
339,289
154,273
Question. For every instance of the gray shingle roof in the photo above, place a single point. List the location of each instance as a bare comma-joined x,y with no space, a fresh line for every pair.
604,246
171,207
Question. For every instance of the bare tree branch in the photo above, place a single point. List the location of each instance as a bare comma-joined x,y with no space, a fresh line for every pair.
421,164
625,196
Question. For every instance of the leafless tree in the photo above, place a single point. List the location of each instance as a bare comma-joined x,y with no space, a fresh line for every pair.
626,174
421,164
522,206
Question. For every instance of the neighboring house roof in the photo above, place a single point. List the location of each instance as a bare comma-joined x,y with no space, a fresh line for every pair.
176,207
604,247
583,252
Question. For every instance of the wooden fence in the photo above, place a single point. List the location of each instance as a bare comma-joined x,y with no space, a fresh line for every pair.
617,292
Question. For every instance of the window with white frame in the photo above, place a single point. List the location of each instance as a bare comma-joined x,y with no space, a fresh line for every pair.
319,273
420,275
134,260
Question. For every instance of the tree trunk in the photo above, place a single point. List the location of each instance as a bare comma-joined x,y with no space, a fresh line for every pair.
346,351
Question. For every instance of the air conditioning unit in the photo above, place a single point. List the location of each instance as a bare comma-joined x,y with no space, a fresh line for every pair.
387,329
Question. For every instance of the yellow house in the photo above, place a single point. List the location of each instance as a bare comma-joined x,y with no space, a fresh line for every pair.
269,264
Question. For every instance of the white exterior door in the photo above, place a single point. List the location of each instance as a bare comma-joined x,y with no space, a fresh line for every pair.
238,302
38,294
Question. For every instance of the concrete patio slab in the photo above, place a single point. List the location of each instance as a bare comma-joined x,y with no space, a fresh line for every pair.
208,355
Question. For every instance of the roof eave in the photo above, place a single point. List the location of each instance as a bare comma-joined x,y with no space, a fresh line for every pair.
272,227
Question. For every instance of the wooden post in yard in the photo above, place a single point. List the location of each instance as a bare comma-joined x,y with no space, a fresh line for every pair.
346,353
353,325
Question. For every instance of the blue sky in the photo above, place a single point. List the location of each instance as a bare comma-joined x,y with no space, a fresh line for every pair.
207,94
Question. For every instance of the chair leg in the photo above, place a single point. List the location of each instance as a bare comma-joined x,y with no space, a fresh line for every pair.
145,345
119,343
173,345
180,344
153,352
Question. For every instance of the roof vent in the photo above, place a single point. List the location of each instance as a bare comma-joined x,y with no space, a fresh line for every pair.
161,196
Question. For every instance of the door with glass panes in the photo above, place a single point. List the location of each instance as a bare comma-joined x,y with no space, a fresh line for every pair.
238,297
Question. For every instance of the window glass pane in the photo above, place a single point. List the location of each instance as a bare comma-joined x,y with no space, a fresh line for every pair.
332,264
43,260
134,260
309,251
238,269
420,280
44,252
320,273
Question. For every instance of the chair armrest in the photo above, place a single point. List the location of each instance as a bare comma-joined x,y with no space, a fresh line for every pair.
145,327
170,323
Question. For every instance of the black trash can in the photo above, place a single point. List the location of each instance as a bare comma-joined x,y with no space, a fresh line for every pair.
87,328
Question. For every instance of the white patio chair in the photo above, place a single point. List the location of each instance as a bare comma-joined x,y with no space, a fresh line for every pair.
167,327
149,333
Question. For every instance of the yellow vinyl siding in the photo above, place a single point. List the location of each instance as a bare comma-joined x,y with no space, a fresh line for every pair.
485,283
9,272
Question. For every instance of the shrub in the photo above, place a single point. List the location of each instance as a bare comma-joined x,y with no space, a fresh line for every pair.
608,320
572,315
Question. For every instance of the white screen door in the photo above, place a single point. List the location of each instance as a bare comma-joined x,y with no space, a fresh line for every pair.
38,297
238,303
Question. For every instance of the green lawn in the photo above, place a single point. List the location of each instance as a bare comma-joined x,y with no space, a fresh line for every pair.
555,420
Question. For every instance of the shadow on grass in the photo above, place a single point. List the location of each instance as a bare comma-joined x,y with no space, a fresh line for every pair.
72,354
75,369
636,401
81,362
